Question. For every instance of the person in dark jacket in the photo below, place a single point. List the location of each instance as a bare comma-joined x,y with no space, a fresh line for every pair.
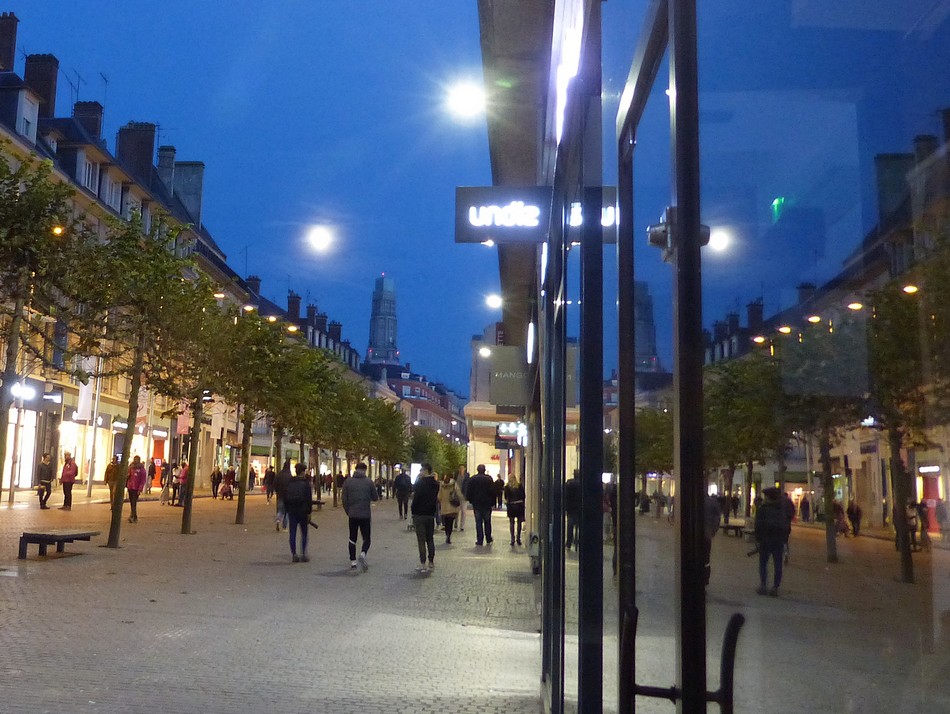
44,477
770,534
269,476
712,515
402,486
572,507
481,494
425,497
298,505
499,486
280,486
514,505
358,494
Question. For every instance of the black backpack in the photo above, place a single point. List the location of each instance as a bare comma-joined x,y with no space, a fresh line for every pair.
298,493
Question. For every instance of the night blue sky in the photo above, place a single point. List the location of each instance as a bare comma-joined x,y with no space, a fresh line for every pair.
332,111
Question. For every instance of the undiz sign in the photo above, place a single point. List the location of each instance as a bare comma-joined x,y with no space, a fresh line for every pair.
502,214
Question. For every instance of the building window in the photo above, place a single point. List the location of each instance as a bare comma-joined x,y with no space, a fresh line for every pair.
90,176
406,391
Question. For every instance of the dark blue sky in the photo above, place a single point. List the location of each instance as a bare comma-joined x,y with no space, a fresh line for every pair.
332,111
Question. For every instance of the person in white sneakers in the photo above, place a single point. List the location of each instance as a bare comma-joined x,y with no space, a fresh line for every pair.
425,496
358,494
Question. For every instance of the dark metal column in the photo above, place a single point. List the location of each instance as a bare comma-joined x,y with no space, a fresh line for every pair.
688,356
626,412
590,605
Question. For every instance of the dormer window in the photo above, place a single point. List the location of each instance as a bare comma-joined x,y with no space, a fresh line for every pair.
90,175
28,118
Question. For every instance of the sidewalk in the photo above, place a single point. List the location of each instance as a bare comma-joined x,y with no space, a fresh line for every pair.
222,621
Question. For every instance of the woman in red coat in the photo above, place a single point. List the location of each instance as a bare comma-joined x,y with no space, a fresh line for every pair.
136,482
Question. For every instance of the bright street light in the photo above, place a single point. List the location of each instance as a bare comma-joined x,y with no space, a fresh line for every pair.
493,301
484,351
465,100
320,238
719,240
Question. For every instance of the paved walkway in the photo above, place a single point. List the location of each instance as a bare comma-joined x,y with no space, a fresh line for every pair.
221,621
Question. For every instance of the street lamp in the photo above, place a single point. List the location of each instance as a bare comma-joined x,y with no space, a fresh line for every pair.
465,100
494,301
484,352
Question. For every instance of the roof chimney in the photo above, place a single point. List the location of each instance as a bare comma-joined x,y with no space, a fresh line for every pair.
41,73
8,23
166,166
806,291
293,305
135,147
719,330
89,114
189,186
732,320
253,281
754,312
335,331
892,188
311,314
320,322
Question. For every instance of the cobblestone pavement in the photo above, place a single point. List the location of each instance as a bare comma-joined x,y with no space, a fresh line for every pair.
221,621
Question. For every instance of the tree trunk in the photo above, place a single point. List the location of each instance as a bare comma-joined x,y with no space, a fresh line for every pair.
900,482
727,490
336,462
247,421
192,465
9,379
828,487
279,446
122,475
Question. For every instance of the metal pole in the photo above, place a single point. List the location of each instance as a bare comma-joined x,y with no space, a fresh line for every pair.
688,356
95,426
626,413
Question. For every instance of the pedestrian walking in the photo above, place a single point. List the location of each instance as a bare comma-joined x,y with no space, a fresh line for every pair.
481,494
176,484
770,534
150,476
216,478
712,515
269,476
183,474
358,495
67,478
462,481
788,510
923,513
514,505
450,500
572,507
499,490
280,487
166,494
910,514
298,502
425,497
940,513
44,478
137,477
805,508
854,514
402,486
111,476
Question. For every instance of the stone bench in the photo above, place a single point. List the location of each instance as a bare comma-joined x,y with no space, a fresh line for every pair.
59,537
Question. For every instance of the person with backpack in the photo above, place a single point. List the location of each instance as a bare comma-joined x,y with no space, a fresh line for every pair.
358,494
770,534
450,501
298,504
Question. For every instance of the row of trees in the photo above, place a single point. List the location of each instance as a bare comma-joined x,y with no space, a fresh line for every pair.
90,289
887,358
427,446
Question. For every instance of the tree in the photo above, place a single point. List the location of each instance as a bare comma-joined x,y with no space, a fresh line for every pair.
425,446
746,416
653,442
824,376
251,377
38,234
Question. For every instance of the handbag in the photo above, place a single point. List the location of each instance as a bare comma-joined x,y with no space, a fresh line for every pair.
454,500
